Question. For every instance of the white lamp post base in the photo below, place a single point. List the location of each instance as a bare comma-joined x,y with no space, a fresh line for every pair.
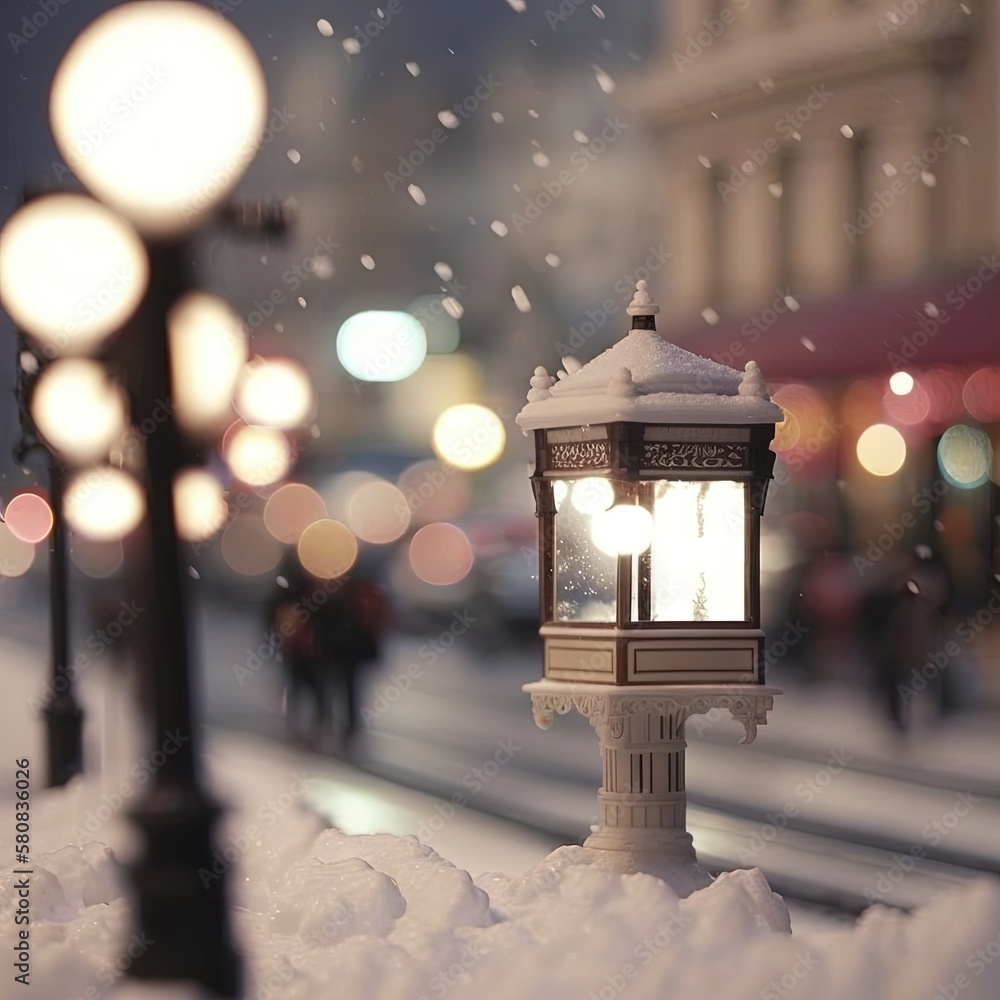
642,801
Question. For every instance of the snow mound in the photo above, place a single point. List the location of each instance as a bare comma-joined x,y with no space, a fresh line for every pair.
386,918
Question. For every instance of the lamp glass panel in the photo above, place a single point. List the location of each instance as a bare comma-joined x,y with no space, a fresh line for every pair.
698,559
585,577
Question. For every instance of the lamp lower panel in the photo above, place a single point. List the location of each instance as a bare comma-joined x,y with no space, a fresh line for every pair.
663,660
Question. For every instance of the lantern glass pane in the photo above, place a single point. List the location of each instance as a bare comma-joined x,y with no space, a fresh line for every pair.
585,577
698,560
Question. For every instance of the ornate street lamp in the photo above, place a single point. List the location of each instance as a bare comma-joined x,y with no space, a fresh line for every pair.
651,471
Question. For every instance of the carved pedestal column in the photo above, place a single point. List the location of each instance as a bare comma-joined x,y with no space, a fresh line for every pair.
642,801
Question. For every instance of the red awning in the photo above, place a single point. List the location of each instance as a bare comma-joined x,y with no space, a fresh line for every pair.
950,319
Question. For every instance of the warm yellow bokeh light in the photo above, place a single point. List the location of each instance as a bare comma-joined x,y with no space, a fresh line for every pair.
29,517
592,495
327,549
274,392
623,530
159,107
208,349
378,513
104,503
441,554
200,507
258,455
881,450
290,509
469,436
71,272
79,409
16,555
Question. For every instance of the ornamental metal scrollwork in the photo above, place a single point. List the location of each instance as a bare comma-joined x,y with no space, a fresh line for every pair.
579,455
685,455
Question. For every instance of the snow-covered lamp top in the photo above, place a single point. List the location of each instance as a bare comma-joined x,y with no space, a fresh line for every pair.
645,379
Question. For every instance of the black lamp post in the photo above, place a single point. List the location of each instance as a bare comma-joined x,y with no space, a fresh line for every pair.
62,711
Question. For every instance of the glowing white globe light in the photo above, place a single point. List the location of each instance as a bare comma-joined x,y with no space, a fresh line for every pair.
71,272
208,349
592,495
200,508
158,107
623,530
469,436
901,383
79,409
965,455
881,450
104,503
275,393
381,346
259,455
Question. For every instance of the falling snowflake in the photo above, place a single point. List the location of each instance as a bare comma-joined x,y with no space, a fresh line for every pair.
776,189
443,271
497,117
580,136
519,5
928,178
552,260
792,303
324,26
413,68
302,302
449,119
597,11
351,46
604,81
540,159
889,170
520,299
417,194
710,316
498,227
452,307
532,112
357,165
368,261
846,131
807,344
705,161
294,155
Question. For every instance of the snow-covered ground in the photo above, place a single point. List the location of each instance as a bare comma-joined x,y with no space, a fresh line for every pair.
332,912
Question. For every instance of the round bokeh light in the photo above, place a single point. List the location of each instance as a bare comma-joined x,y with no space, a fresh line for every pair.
290,509
327,549
881,450
29,517
441,554
104,503
469,436
381,346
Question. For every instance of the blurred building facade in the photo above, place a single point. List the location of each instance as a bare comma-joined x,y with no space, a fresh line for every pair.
814,146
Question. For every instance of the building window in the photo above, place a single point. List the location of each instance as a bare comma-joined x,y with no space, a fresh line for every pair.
860,197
